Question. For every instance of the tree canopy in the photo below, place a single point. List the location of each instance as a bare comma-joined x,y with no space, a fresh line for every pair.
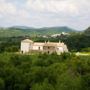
44,72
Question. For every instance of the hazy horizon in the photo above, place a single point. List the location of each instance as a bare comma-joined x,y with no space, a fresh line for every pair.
45,13
41,27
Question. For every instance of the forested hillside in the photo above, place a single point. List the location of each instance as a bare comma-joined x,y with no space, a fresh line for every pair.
44,72
87,31
26,31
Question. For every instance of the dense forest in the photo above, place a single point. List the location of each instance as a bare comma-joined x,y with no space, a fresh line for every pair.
44,72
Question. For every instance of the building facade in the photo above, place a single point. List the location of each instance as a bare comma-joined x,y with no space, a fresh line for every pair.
28,46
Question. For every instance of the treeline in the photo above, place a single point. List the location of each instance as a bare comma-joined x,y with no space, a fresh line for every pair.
78,42
44,72
10,44
75,42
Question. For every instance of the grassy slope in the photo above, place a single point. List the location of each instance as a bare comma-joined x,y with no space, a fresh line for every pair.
42,31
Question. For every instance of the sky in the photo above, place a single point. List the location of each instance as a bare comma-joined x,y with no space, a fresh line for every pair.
45,13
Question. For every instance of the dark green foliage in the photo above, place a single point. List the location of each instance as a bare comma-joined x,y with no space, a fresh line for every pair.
44,72
87,49
2,84
10,44
77,42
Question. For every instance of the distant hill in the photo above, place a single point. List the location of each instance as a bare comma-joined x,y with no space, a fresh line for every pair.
28,31
20,27
87,31
54,30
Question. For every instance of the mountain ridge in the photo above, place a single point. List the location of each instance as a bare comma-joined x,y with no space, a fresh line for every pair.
28,31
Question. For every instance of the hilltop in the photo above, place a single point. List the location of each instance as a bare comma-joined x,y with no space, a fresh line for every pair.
28,31
87,31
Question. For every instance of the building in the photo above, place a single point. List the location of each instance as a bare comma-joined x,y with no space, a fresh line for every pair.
28,46
60,34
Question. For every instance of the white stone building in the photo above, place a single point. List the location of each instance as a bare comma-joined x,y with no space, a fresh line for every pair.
28,46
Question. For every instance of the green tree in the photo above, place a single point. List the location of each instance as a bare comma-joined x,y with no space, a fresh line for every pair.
42,86
2,84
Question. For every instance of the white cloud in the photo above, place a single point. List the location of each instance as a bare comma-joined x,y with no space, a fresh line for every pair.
59,6
7,8
74,13
9,12
55,6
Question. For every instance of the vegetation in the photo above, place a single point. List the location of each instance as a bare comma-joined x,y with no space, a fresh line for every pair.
26,31
44,72
10,38
74,42
87,31
10,44
78,42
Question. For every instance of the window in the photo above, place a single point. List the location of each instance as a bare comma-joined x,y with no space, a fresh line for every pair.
39,48
22,52
48,47
48,52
